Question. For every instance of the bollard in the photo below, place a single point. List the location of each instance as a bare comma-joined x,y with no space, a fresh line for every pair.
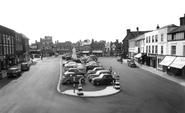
80,92
117,83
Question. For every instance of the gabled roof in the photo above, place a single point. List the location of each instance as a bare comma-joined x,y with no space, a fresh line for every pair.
178,29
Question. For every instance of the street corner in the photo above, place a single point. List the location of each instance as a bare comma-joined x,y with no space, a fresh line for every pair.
109,90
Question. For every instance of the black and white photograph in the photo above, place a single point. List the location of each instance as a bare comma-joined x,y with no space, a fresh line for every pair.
92,56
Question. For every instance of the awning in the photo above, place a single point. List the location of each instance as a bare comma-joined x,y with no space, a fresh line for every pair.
167,60
179,63
138,55
85,51
97,51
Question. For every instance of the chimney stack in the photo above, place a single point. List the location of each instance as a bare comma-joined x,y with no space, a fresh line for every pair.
137,28
157,26
128,31
182,20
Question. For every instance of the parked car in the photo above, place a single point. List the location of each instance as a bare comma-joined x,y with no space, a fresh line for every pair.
13,72
94,70
66,62
68,66
104,78
71,77
25,66
132,64
91,66
98,73
76,71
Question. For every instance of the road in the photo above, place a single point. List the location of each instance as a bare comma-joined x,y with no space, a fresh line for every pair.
142,92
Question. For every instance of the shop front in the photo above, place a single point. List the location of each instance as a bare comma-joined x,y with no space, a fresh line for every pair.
152,60
159,59
177,66
97,52
167,60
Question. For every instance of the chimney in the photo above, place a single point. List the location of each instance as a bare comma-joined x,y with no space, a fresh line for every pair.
157,26
137,28
128,31
182,20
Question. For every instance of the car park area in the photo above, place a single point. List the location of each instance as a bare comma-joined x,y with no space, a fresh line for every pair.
94,78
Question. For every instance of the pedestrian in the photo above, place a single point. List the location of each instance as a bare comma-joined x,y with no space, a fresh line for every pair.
110,69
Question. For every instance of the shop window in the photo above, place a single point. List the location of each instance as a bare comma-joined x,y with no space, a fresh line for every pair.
173,50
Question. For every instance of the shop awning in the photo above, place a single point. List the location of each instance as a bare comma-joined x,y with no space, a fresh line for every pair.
138,55
97,51
179,63
85,51
167,60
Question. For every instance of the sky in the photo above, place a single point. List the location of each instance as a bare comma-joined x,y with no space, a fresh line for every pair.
74,20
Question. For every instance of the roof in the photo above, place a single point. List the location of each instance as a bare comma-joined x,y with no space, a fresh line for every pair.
178,29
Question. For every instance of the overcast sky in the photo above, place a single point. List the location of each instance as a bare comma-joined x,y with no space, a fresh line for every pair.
72,20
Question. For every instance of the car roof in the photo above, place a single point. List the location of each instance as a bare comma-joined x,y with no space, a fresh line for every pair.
103,71
104,74
13,68
67,73
71,64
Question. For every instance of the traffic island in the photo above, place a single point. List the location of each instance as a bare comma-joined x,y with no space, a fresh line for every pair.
109,90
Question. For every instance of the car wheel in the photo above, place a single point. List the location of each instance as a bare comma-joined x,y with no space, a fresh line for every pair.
68,82
94,83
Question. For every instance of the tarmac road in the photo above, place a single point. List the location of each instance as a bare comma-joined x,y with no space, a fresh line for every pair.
142,92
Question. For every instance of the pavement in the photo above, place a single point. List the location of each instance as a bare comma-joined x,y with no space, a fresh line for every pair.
160,73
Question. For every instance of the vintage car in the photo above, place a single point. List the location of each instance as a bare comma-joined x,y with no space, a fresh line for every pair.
71,77
98,73
13,72
25,66
104,78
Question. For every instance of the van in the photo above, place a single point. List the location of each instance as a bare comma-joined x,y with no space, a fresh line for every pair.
25,66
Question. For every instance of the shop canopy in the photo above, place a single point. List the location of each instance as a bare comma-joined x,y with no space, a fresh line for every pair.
85,51
138,55
167,60
97,51
179,63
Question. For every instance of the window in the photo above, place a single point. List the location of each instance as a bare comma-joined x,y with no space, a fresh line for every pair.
1,51
3,38
7,49
0,38
162,38
146,49
156,38
149,49
153,38
12,49
184,50
149,39
146,39
4,50
161,49
173,50
179,36
152,49
156,48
